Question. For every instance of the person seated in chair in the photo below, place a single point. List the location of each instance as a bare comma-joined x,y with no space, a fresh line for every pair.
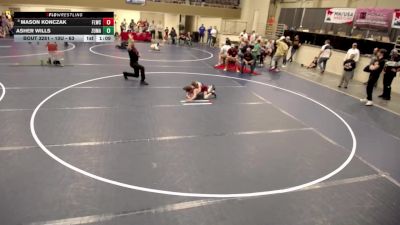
232,57
248,59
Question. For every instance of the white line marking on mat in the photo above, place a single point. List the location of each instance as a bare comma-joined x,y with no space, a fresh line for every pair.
187,205
154,139
153,60
5,46
188,194
3,92
335,89
198,103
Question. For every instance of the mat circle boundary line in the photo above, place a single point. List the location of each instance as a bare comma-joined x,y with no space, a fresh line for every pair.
186,194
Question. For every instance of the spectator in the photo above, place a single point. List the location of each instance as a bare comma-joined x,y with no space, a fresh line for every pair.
232,56
202,30
324,55
289,44
353,51
373,58
248,59
132,25
281,50
4,24
159,30
152,29
256,51
166,33
123,25
209,35
348,66
224,52
2,34
244,45
375,70
295,46
173,35
253,37
391,68
244,35
214,34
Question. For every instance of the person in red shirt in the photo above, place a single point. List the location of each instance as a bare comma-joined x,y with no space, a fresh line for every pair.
232,56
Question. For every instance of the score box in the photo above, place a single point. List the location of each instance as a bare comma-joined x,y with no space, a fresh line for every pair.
108,21
108,30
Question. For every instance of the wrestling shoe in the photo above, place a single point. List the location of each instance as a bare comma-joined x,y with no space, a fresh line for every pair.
363,100
143,83
369,103
125,77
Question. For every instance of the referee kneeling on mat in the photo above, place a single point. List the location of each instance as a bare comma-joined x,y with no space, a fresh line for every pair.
134,58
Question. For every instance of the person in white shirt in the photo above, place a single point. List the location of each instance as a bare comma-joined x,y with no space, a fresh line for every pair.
353,51
152,29
213,36
253,37
160,28
324,55
244,35
224,52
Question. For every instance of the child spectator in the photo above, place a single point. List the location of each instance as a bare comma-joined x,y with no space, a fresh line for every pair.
348,65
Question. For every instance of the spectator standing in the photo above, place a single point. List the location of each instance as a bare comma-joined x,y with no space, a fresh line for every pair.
375,70
281,50
159,30
152,29
289,44
202,31
166,33
173,35
253,37
353,51
324,55
214,34
209,35
373,58
391,68
295,46
256,51
132,25
244,35
123,25
348,66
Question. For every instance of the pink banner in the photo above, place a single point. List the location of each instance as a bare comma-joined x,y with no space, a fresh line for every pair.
375,18
396,19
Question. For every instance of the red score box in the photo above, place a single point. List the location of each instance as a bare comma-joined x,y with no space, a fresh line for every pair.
108,21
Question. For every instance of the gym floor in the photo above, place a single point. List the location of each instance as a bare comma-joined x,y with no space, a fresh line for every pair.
81,145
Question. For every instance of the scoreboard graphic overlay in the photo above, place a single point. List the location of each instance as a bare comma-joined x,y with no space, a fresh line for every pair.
64,27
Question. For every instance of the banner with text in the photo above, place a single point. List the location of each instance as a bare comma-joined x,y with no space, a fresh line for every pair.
374,18
339,15
396,19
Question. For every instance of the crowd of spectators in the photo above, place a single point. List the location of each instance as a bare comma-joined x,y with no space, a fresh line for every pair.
6,26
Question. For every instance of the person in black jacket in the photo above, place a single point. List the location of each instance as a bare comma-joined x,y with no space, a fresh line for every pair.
348,65
391,68
375,70
134,63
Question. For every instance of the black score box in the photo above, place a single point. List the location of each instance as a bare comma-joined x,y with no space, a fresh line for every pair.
34,22
71,30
